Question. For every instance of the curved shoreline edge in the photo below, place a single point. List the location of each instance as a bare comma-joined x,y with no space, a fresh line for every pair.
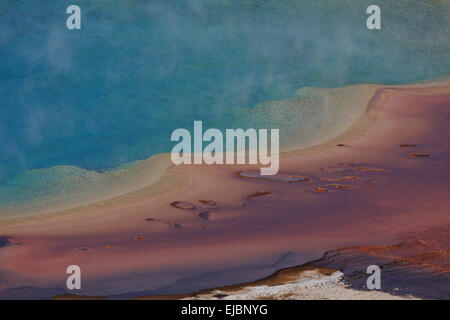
156,176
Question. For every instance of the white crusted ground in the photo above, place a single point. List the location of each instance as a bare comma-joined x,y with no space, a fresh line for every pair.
310,285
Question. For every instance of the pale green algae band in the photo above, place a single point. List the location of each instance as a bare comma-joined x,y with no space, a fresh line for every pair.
312,116
316,115
62,187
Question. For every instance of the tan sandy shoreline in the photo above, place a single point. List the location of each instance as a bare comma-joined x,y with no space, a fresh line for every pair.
141,238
